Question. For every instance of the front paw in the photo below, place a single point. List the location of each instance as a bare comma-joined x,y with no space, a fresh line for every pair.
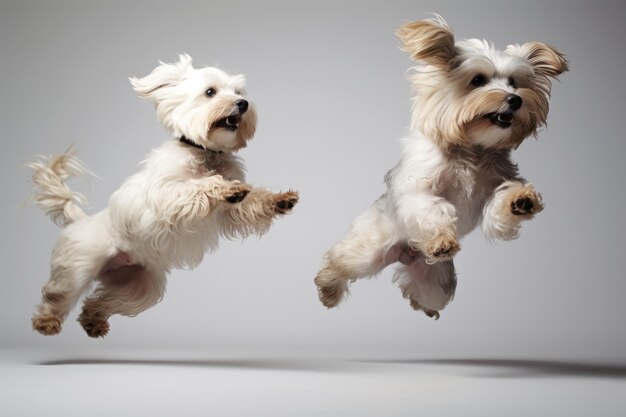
237,193
284,202
441,248
526,202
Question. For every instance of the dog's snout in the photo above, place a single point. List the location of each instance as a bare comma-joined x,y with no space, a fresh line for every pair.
514,101
242,105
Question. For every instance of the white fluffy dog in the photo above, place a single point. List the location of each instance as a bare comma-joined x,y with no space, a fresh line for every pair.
473,104
188,193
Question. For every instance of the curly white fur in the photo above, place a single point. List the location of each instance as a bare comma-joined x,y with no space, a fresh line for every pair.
473,104
52,194
167,215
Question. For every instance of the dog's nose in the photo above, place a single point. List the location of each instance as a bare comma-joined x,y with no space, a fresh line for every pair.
242,105
514,101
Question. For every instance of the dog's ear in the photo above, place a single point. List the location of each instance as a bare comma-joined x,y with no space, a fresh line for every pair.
165,75
545,59
430,40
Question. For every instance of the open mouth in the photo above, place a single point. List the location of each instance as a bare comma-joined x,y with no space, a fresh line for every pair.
229,122
502,120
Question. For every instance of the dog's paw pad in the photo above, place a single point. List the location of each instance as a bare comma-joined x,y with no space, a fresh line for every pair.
526,202
284,205
443,248
284,202
236,197
47,325
523,205
237,193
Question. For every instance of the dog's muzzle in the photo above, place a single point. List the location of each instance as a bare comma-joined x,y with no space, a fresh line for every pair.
504,119
232,121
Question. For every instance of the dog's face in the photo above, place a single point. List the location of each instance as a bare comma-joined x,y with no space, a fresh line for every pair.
205,105
468,93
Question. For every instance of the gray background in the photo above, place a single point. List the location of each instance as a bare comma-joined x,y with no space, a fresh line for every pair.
329,83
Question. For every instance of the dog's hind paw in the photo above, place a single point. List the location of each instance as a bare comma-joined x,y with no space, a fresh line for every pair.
94,327
47,325
329,295
329,291
430,313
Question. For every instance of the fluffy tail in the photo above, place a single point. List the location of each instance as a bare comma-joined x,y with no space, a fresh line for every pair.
51,194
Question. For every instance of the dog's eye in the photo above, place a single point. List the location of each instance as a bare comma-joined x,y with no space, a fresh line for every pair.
478,81
512,82
238,93
210,92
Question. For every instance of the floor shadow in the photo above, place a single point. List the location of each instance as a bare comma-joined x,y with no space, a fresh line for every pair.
477,367
518,368
259,364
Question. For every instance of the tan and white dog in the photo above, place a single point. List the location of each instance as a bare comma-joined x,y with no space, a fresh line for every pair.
189,192
472,105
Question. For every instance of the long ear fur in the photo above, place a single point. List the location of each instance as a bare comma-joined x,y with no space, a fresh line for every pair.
430,40
162,76
545,59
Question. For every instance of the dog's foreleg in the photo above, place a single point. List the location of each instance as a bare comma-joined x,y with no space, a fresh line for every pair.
511,203
430,222
254,215
183,203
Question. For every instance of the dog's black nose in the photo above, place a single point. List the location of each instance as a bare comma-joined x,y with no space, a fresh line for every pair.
514,101
242,105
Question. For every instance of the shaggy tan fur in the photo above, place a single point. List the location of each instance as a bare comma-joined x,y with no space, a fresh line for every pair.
427,40
472,105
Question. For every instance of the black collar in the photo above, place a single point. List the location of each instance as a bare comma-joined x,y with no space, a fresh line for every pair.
187,141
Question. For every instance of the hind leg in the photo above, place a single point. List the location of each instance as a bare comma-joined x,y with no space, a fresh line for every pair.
127,290
75,263
362,252
427,287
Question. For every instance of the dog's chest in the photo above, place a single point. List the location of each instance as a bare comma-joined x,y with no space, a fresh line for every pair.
467,184
227,166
